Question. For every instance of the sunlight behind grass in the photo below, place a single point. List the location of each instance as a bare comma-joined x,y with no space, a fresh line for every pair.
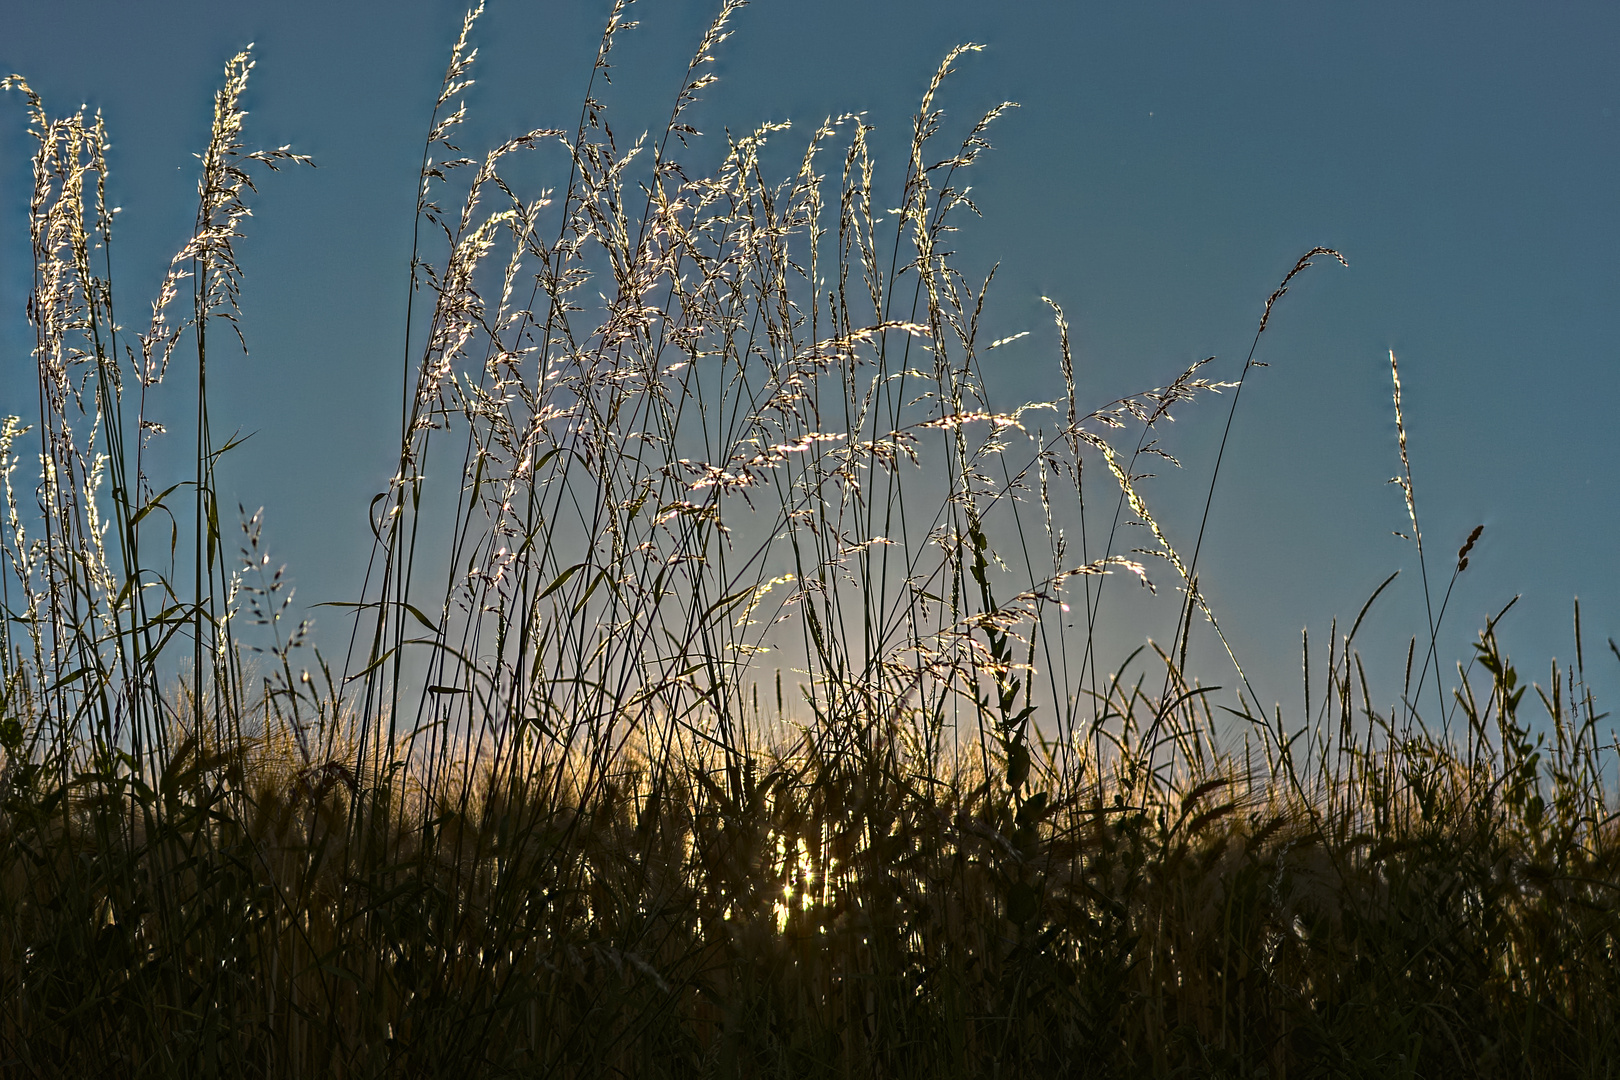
723,696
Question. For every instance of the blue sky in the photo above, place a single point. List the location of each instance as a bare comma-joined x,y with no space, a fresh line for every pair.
1167,165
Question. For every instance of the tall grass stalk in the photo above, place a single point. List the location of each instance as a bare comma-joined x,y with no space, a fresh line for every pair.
671,431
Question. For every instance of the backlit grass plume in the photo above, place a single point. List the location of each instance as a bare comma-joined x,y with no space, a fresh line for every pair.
723,697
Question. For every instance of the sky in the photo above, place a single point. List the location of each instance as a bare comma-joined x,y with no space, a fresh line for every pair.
1168,163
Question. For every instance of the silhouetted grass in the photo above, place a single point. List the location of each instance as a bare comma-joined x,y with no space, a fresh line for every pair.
538,820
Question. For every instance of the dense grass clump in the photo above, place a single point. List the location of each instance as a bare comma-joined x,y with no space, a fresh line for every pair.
749,721
828,914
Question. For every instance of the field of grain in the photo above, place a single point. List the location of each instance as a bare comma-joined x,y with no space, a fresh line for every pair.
725,695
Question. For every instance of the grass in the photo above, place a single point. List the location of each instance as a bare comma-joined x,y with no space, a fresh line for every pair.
734,708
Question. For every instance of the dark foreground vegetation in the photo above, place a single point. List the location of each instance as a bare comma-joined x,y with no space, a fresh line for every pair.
707,747
836,911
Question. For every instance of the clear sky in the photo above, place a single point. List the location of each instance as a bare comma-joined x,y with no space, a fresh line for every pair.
1168,164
